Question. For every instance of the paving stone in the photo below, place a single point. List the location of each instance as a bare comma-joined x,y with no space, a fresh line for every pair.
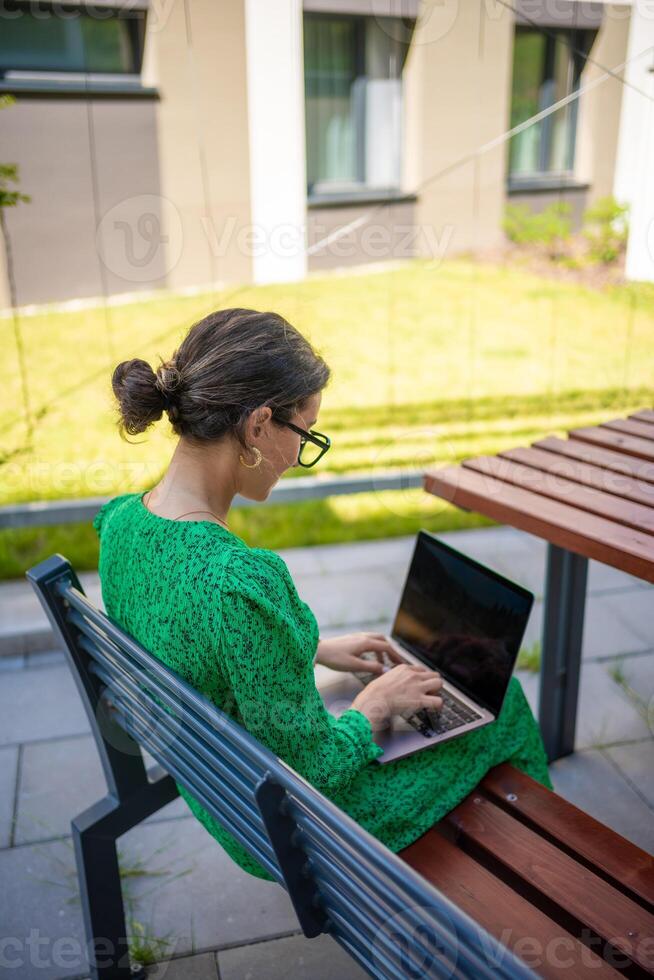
636,762
607,631
202,966
40,704
45,658
358,555
605,634
24,625
636,610
40,912
8,767
59,779
605,713
22,637
205,900
303,561
294,956
483,543
349,598
638,678
603,577
591,782
521,566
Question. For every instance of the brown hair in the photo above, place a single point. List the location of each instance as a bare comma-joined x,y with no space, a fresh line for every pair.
229,363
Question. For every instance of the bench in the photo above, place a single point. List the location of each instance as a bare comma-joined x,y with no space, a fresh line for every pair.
513,883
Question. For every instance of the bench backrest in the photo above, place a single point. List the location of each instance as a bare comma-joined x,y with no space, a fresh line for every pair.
340,878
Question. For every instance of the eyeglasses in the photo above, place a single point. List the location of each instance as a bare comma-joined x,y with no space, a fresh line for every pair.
313,445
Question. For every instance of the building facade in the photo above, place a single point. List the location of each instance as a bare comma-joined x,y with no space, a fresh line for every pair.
187,143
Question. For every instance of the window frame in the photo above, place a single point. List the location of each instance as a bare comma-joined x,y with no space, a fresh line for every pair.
579,42
360,190
135,18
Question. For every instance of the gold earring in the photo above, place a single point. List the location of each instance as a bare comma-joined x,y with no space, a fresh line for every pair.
258,455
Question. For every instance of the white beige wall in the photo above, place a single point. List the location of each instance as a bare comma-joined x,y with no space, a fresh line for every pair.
57,251
458,78
275,93
199,66
634,183
599,106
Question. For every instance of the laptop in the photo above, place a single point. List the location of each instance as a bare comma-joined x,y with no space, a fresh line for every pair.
455,616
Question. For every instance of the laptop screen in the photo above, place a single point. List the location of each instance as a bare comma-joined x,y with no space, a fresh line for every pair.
462,619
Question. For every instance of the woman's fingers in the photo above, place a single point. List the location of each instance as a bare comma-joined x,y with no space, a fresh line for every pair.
372,666
433,702
380,644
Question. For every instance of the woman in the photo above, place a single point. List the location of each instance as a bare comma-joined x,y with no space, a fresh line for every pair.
243,392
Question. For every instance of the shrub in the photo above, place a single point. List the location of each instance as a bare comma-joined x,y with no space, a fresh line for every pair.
605,229
549,228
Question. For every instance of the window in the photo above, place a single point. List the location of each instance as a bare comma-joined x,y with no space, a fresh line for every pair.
353,101
42,38
546,68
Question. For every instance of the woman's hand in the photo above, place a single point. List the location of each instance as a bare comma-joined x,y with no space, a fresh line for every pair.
407,687
345,652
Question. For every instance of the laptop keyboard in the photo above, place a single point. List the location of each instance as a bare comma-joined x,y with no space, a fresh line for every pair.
427,721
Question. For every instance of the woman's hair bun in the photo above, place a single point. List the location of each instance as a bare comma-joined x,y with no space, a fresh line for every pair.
228,364
141,400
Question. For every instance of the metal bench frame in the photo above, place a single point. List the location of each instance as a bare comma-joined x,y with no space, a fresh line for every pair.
340,879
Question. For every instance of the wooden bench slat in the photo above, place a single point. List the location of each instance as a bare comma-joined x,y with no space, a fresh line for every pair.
639,469
610,854
631,445
555,876
632,427
645,415
585,473
494,905
566,492
563,525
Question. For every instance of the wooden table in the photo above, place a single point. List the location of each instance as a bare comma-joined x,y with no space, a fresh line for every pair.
588,496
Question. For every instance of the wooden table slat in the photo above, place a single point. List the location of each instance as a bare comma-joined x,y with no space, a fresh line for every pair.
568,492
632,427
563,525
619,441
645,415
495,906
558,878
638,469
587,474
610,854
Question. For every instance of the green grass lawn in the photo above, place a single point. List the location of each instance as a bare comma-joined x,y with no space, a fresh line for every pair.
431,363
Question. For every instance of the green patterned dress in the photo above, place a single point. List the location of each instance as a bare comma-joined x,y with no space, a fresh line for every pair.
227,617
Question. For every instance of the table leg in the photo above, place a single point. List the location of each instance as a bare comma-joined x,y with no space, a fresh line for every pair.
563,625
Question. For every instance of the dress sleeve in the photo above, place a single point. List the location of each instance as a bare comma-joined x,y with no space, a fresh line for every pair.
266,649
